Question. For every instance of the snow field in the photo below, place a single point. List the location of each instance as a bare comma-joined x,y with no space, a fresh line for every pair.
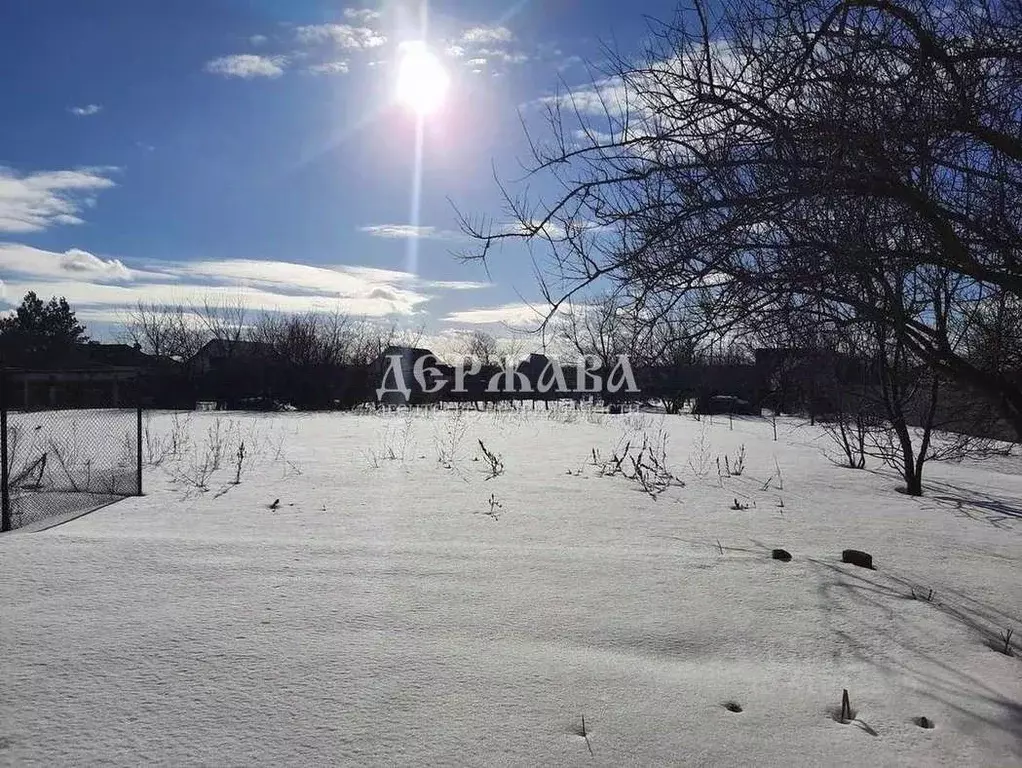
379,615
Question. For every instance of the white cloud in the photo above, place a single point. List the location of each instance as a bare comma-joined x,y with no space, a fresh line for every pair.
343,36
456,285
329,68
520,314
94,296
73,264
377,275
569,62
101,285
247,65
363,16
86,111
508,57
609,94
552,229
408,231
258,40
646,96
389,275
283,276
43,199
85,264
483,35
479,45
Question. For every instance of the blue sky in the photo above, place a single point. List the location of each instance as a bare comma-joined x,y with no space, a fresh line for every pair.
174,151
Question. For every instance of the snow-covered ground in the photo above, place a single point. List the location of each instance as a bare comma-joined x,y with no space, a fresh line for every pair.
394,609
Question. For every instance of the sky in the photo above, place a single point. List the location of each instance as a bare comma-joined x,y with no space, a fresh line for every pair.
257,150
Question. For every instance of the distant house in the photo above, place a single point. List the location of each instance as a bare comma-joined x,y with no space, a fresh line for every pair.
677,384
540,371
536,369
216,354
798,379
398,385
81,376
229,372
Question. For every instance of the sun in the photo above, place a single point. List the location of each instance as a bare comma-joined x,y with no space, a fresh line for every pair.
422,81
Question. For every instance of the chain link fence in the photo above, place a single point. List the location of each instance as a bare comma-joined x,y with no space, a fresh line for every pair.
69,443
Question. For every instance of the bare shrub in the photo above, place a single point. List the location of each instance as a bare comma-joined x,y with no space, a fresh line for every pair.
179,437
635,421
197,471
563,415
20,464
448,435
239,462
699,460
392,444
616,463
850,432
494,462
75,472
732,467
216,440
648,466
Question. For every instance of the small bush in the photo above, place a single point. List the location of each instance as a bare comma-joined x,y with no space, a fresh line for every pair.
493,460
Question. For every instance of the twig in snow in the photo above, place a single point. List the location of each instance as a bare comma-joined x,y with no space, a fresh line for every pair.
1006,639
585,735
240,462
494,507
494,460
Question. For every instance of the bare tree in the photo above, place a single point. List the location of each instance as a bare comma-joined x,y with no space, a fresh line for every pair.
913,432
224,319
512,349
164,330
993,339
293,340
369,341
733,168
481,346
601,327
407,336
338,333
878,399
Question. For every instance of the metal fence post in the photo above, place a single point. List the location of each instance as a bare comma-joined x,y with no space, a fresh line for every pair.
138,434
5,501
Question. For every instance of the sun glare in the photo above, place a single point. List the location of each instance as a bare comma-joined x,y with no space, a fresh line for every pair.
422,81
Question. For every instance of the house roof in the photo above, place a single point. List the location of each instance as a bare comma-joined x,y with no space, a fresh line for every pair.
415,352
120,355
81,357
241,347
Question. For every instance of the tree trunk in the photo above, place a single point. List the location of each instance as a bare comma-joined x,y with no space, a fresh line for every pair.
913,481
